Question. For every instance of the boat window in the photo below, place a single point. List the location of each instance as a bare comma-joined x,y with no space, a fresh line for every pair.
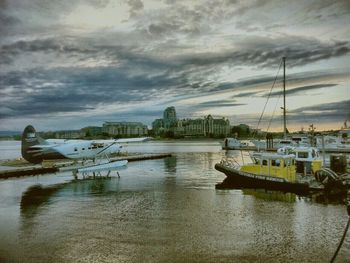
264,162
75,149
83,149
303,154
256,161
313,153
273,162
276,162
287,162
285,142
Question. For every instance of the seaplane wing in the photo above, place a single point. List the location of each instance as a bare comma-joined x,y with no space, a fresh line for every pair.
35,149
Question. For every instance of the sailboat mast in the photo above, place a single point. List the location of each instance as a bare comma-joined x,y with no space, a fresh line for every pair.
284,99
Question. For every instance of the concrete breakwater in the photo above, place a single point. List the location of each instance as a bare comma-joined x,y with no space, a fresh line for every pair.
26,171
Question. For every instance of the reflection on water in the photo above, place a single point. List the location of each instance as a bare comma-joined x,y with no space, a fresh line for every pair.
270,195
163,211
170,164
35,196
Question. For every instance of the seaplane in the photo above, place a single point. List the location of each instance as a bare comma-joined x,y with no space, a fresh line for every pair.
36,149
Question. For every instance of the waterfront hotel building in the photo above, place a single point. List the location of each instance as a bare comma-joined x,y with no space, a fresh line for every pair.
206,127
124,129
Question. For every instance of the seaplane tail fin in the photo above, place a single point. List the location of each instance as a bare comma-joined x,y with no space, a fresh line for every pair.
29,140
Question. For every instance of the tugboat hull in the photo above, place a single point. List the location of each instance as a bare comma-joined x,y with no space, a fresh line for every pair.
238,179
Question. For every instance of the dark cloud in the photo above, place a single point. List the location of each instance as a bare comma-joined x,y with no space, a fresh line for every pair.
218,103
135,7
68,90
300,90
323,113
293,79
245,94
9,52
336,112
266,52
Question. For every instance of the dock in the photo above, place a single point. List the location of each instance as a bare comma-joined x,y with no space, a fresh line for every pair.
68,165
253,148
26,171
141,157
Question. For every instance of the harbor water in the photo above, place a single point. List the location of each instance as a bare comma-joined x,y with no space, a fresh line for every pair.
164,210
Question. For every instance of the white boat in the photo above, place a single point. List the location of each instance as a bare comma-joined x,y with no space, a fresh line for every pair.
277,143
235,144
332,144
301,140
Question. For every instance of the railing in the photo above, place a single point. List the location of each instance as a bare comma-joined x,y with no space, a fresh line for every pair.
230,162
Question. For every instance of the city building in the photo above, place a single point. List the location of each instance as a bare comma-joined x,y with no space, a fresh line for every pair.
69,134
92,130
168,123
169,118
158,126
125,129
206,127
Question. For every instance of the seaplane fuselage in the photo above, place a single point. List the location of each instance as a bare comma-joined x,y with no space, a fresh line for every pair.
35,149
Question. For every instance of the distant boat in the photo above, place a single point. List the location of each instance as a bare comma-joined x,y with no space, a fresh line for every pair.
235,144
332,144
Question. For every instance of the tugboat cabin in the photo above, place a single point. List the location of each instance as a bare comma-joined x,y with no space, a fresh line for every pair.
270,164
307,159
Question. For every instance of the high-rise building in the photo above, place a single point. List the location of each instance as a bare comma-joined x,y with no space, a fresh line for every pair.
158,126
169,118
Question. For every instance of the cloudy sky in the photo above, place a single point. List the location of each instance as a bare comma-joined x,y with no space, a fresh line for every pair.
68,64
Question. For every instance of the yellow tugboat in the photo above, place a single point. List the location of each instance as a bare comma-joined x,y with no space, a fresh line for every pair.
267,170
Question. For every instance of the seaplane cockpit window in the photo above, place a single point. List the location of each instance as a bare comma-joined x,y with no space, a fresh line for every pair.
97,145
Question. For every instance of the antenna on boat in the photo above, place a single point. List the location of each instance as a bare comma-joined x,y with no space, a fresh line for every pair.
284,99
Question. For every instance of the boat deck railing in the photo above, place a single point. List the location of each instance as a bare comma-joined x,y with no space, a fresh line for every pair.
230,162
